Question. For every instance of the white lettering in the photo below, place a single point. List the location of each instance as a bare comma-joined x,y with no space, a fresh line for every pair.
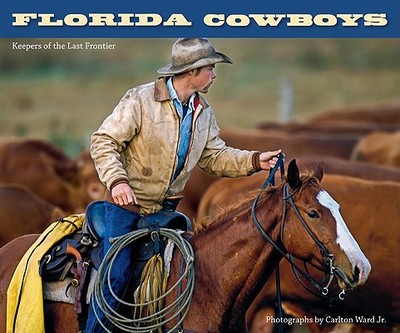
46,20
377,20
350,20
177,20
211,20
238,20
23,19
300,20
263,20
214,20
102,20
325,20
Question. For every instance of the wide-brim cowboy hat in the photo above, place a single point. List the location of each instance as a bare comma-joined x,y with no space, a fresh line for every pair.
191,53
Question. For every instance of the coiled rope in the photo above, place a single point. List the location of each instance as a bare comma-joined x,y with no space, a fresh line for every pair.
177,310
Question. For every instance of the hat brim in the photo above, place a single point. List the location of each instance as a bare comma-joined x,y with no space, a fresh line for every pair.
217,57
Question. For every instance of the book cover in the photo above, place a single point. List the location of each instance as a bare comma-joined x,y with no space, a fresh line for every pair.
317,79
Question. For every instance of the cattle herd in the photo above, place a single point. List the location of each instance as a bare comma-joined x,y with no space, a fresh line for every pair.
360,148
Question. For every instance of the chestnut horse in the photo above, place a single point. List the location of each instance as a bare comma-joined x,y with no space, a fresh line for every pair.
233,259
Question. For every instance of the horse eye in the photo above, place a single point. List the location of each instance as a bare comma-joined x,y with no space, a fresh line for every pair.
312,214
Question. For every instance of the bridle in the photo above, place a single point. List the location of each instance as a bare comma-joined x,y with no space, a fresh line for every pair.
330,270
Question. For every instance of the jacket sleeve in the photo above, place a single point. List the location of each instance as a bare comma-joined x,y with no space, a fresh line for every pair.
111,139
221,160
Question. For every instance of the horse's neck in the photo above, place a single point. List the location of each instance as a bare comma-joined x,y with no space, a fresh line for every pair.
233,261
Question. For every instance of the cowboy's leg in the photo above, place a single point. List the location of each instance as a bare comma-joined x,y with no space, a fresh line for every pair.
118,222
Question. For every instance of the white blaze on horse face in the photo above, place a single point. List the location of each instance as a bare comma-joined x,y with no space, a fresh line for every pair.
345,239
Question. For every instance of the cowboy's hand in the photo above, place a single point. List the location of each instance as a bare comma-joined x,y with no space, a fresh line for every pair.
268,159
123,194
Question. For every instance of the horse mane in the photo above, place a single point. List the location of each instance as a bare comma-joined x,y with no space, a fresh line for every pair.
233,209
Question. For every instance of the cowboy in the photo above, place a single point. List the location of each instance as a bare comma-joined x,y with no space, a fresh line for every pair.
144,151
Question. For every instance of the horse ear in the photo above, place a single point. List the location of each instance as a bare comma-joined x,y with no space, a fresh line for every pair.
319,171
293,175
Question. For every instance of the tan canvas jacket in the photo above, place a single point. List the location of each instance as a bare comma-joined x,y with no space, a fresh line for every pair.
138,144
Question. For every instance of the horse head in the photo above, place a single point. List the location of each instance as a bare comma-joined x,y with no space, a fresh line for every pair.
312,215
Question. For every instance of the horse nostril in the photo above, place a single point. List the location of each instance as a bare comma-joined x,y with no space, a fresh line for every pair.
357,273
361,272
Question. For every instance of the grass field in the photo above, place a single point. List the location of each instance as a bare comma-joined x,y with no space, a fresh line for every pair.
63,95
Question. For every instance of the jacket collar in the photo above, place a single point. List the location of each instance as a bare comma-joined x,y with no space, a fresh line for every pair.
161,92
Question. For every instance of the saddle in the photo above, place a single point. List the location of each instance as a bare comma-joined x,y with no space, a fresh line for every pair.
58,262
60,259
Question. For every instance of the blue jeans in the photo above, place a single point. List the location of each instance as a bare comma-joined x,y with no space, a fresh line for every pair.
119,222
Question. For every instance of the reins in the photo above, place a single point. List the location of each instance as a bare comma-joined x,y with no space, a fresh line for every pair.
330,268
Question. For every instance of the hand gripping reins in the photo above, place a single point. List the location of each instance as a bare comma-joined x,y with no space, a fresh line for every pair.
177,310
331,270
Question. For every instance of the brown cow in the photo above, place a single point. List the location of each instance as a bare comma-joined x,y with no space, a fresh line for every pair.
23,212
200,181
293,144
357,169
379,148
379,114
337,127
372,212
46,171
95,190
215,200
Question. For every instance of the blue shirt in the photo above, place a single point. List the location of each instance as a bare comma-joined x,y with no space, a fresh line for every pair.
185,131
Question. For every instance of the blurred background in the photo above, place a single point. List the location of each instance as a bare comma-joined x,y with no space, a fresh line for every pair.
63,95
